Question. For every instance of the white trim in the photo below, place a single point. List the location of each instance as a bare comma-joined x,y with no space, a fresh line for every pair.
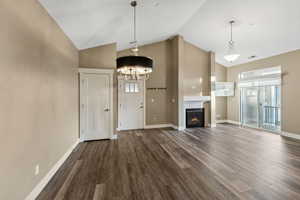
228,121
158,126
114,137
233,122
222,121
40,186
174,126
144,103
290,135
181,128
95,71
212,125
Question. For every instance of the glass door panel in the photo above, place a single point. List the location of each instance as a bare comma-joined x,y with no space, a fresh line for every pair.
249,106
269,109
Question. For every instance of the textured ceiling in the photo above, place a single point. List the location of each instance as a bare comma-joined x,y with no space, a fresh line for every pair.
264,27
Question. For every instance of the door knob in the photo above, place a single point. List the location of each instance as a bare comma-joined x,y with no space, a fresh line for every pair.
141,107
106,110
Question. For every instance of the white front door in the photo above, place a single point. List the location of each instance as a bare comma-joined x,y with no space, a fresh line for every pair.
131,104
95,109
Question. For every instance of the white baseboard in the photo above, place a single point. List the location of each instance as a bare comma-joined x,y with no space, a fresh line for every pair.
212,125
233,122
181,128
175,127
290,135
114,137
222,121
228,121
40,186
158,126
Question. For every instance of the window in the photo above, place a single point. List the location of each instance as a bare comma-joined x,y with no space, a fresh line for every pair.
131,87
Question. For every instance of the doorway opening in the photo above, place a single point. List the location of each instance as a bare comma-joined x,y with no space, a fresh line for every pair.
260,99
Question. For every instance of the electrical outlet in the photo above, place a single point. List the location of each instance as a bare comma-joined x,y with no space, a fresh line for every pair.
37,170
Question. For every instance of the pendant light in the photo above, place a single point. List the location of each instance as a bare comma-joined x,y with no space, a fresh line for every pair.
231,55
134,67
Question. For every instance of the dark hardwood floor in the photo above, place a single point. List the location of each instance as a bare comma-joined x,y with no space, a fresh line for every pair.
222,163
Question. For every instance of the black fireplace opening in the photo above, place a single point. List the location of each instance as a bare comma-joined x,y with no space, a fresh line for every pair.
195,118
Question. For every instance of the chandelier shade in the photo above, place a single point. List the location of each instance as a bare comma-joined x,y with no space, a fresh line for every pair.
134,65
231,55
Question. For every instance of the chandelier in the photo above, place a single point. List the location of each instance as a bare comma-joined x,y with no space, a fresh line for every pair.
134,67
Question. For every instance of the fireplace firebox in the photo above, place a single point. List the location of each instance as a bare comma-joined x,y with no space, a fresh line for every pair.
195,118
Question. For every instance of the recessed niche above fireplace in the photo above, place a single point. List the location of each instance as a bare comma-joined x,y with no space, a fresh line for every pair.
195,118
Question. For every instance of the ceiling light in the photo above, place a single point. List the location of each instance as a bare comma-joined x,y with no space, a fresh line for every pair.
134,67
231,55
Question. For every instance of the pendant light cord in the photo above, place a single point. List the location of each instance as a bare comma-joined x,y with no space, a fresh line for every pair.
135,48
231,32
134,23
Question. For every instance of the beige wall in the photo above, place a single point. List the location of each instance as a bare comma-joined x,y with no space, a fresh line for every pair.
174,71
221,102
195,71
99,57
102,57
158,102
38,99
290,63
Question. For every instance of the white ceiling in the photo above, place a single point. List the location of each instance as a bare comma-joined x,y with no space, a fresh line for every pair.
264,27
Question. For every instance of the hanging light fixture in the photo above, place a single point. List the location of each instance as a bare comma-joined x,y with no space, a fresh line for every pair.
134,66
231,55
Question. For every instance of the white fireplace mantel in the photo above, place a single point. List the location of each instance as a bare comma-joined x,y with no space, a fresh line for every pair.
196,98
191,102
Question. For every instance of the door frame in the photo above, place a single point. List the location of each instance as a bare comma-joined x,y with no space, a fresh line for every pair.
110,73
144,98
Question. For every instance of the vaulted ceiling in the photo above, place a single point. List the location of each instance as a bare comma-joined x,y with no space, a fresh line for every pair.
263,27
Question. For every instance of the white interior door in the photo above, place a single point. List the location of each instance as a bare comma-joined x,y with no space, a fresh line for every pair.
131,104
96,105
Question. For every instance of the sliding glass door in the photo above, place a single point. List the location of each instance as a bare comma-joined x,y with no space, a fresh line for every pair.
260,107
260,99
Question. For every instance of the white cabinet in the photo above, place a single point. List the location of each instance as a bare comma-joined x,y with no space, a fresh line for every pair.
224,89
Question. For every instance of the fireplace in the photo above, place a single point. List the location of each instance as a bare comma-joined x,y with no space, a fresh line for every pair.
194,118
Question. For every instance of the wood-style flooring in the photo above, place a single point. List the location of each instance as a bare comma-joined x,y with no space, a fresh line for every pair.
223,163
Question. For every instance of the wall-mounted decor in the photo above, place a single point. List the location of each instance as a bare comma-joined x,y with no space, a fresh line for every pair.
224,89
